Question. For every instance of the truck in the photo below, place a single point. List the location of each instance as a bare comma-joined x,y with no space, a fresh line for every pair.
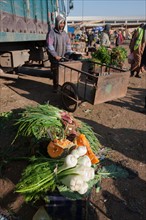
24,25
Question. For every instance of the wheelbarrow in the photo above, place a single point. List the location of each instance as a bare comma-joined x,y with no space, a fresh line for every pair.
80,84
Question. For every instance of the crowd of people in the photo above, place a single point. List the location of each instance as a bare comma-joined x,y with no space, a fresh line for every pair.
137,44
101,37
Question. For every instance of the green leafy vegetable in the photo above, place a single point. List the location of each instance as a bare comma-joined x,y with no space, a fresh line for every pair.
45,175
112,171
114,57
38,178
102,55
40,121
118,56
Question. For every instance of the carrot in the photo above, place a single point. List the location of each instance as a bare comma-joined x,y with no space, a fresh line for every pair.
81,140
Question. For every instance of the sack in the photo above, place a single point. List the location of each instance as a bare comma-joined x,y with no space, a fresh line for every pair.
130,58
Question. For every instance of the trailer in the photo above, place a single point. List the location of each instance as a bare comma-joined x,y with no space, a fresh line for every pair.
23,28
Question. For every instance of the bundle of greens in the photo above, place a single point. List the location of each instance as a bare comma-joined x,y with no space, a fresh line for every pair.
102,55
44,175
73,176
114,57
53,124
40,121
118,56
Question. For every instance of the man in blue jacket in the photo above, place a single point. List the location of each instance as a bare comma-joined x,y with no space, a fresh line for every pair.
58,44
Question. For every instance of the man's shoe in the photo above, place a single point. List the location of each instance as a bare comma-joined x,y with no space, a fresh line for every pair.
132,74
137,76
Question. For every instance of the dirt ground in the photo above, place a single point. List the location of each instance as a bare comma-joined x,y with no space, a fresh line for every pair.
120,125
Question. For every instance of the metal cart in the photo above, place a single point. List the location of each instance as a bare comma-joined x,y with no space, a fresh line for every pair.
91,82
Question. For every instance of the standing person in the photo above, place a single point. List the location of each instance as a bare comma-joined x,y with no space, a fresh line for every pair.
143,60
105,36
119,38
58,44
115,37
90,39
137,46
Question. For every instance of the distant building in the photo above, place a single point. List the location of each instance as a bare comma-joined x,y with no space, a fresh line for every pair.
94,21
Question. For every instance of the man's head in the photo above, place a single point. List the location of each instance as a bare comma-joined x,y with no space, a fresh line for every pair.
107,27
59,23
141,25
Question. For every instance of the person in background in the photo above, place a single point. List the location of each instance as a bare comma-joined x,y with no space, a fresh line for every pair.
124,34
137,45
115,35
105,36
119,38
72,39
143,60
90,37
58,44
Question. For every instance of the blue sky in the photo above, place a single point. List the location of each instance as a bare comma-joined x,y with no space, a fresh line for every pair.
109,8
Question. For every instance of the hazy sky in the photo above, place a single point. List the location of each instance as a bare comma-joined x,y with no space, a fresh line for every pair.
109,8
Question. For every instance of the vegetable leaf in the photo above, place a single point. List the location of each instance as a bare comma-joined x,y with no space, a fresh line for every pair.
113,171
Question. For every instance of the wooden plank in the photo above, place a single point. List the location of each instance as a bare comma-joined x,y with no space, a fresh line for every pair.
8,75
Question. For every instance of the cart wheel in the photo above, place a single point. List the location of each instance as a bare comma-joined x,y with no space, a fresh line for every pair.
69,96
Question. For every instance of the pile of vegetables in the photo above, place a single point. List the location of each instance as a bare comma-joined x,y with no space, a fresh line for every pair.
71,166
102,55
118,56
114,57
73,176
58,127
43,175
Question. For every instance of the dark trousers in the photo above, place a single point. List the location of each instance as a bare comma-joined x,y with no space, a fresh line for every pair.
55,70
